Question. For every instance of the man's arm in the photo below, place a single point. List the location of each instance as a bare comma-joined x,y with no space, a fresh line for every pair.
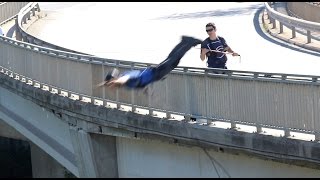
203,53
231,51
227,47
119,81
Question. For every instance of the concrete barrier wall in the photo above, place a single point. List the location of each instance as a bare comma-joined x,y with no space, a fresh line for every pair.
284,101
305,10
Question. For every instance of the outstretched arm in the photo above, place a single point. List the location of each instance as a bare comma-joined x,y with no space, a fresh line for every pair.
119,81
231,51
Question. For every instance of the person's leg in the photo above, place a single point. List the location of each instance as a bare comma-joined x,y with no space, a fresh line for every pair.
216,68
224,67
174,57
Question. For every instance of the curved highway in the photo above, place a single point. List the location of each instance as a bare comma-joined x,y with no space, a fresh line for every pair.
146,32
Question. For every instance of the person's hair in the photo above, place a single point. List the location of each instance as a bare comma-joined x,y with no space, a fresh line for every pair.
111,75
211,25
108,77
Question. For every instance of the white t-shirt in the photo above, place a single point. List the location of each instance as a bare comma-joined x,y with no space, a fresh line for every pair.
1,32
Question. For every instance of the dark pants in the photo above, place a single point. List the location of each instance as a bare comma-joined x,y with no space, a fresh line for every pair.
219,66
172,61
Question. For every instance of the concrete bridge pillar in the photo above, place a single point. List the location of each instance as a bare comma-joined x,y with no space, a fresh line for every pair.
43,165
105,152
95,154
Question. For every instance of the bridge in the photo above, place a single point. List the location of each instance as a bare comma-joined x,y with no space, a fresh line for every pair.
48,97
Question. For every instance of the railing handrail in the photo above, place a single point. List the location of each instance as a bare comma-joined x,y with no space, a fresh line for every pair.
93,59
292,21
11,14
10,65
21,15
183,69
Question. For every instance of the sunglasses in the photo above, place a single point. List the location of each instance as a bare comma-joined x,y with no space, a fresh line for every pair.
209,30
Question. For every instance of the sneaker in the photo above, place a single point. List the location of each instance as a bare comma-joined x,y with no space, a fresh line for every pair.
193,41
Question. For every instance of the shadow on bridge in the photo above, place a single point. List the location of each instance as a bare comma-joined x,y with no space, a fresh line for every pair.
213,13
278,42
11,31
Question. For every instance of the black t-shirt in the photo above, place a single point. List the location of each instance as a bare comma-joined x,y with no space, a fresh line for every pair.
215,59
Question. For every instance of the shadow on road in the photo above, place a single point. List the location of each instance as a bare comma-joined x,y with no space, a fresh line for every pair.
11,31
223,12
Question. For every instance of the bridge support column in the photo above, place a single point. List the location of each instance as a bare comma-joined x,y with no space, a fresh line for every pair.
43,165
105,152
9,132
96,154
84,154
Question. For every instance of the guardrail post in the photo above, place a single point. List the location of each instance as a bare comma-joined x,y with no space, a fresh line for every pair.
233,123
38,7
259,128
281,27
293,29
149,90
308,36
268,17
117,90
283,77
24,19
33,11
209,121
28,15
314,79
274,25
286,132
133,93
258,125
59,92
187,104
168,115
104,101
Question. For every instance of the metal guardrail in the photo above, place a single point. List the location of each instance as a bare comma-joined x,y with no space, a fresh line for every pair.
314,3
24,15
291,22
274,100
10,9
239,97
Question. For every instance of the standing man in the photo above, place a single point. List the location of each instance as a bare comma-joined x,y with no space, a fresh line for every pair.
215,43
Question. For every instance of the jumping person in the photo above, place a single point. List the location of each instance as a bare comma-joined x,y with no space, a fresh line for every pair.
142,78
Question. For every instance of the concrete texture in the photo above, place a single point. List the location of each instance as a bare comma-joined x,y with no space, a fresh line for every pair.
105,154
283,150
155,159
43,165
9,132
83,152
40,126
304,10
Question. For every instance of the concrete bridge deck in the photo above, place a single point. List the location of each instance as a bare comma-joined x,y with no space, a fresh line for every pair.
79,130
